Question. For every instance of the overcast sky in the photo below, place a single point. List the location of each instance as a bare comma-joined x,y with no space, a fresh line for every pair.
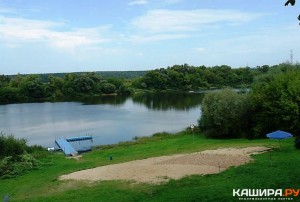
43,36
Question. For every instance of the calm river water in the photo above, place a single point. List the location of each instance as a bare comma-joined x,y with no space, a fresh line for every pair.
109,119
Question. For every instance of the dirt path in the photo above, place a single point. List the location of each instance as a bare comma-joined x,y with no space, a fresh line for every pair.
161,169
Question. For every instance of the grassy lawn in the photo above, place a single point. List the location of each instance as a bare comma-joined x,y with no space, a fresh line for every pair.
277,169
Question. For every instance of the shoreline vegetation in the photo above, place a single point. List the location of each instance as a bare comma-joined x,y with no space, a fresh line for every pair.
59,86
274,169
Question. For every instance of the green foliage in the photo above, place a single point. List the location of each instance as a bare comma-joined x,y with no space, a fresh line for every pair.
55,86
264,68
224,114
275,101
108,88
9,167
297,142
4,80
11,94
24,88
14,160
10,146
185,77
123,90
116,82
82,84
32,87
273,104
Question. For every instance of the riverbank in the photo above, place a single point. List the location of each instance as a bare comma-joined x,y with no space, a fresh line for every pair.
275,169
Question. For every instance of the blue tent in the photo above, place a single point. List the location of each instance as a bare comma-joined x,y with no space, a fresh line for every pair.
279,135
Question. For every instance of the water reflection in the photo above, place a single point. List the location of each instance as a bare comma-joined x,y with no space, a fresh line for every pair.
106,99
153,101
168,101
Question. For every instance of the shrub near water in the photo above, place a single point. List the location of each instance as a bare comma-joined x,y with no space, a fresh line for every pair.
224,114
14,160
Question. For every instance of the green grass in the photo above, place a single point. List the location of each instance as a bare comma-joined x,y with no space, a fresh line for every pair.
276,169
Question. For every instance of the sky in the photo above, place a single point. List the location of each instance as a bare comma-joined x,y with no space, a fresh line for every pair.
48,36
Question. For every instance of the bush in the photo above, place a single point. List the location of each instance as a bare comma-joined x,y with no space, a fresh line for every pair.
14,160
108,88
224,114
9,167
10,146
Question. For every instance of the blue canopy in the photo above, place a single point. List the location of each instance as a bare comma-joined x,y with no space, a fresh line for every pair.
279,135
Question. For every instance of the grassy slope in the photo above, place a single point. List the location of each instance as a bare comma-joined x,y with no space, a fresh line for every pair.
279,171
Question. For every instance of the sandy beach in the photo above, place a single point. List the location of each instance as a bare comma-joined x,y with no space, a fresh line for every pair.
160,169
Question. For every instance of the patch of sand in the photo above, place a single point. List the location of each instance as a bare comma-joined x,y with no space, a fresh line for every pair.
161,169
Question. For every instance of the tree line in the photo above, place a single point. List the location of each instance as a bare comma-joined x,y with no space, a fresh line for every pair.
186,77
24,88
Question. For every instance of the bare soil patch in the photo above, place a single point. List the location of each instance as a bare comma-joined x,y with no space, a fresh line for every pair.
161,169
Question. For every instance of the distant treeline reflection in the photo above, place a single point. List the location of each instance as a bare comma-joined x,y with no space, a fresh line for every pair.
167,101
154,101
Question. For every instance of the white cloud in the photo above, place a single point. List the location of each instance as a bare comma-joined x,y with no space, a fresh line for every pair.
154,38
138,2
14,30
173,1
162,20
200,50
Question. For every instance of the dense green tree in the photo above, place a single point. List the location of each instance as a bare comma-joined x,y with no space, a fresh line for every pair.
156,79
108,88
11,94
276,102
16,81
68,88
245,75
55,86
175,79
83,84
4,81
116,82
264,68
224,114
32,87
124,90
